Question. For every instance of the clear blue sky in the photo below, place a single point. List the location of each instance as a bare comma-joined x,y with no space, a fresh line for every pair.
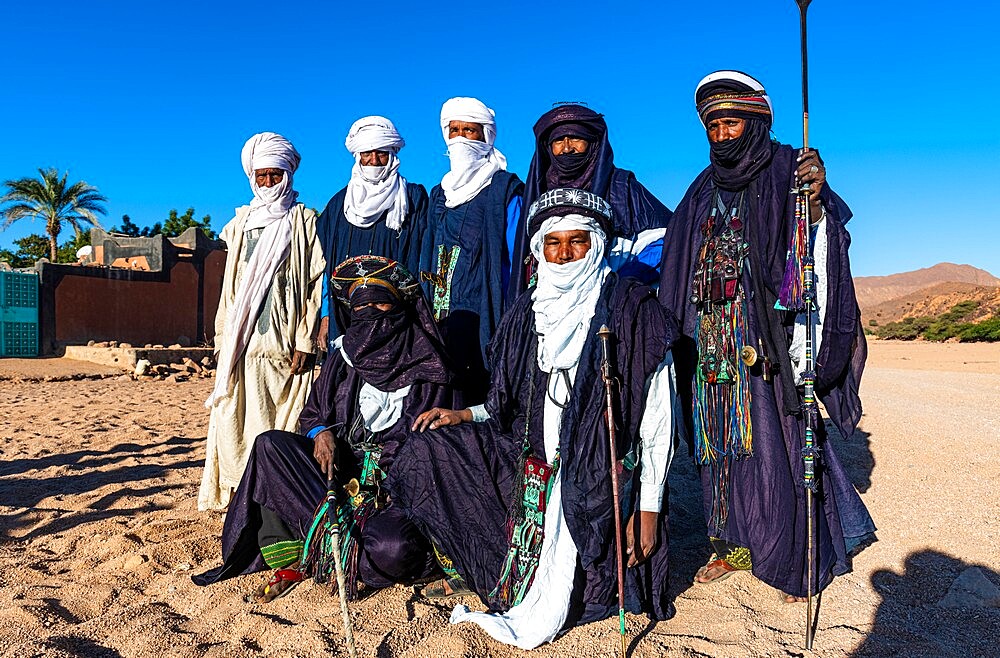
151,102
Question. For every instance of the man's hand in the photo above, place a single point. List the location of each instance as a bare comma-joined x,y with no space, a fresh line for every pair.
302,362
811,172
643,525
325,453
438,417
323,334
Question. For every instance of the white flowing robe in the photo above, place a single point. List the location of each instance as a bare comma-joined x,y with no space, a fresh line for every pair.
265,395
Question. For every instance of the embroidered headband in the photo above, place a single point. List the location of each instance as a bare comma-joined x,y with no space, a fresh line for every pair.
360,272
568,200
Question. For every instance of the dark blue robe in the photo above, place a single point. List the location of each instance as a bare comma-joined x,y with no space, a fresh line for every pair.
479,228
767,499
456,482
341,240
282,476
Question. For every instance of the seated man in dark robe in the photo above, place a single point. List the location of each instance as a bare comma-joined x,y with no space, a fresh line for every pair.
731,264
474,212
383,372
379,213
572,150
541,442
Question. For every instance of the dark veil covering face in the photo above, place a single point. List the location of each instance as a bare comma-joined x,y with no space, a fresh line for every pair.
591,171
735,162
394,348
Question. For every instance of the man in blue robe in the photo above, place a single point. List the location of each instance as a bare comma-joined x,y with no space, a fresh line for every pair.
572,150
379,213
474,213
384,370
729,264
539,549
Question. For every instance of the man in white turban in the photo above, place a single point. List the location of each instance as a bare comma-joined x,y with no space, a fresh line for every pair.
473,217
379,213
518,493
266,325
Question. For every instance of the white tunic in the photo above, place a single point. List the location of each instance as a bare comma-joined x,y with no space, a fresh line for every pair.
265,394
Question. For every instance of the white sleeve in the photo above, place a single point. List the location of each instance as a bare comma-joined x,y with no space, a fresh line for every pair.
479,413
797,350
656,435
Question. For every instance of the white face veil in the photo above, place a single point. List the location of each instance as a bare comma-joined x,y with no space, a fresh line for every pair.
473,163
565,297
270,210
374,190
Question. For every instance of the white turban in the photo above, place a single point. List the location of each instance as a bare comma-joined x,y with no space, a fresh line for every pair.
270,210
374,190
565,297
473,163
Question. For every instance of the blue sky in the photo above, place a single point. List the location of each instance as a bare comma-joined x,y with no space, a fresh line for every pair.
152,102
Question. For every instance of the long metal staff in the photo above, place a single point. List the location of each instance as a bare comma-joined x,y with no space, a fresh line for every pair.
809,376
608,376
331,497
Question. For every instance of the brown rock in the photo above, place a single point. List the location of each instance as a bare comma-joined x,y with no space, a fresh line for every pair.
101,344
124,378
113,343
207,362
175,346
125,346
90,343
191,365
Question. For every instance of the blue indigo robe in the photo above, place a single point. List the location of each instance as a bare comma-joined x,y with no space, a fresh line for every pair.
479,228
341,240
766,495
283,477
456,482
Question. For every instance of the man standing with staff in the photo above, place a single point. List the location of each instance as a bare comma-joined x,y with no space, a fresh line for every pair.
730,268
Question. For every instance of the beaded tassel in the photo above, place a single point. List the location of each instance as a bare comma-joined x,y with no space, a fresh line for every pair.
791,297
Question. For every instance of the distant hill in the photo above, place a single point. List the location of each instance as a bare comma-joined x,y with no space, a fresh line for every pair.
875,290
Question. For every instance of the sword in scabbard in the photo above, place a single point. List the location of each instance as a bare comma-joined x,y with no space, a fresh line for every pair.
607,374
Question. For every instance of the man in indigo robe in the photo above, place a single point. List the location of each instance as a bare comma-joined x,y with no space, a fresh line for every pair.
474,213
572,150
383,371
544,414
379,212
265,328
729,267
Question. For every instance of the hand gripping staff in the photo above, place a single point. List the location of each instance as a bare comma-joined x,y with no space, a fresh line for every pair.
607,374
810,410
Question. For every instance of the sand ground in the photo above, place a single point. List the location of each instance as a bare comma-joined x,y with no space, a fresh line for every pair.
99,534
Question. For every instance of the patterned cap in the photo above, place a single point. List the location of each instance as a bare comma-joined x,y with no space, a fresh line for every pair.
372,273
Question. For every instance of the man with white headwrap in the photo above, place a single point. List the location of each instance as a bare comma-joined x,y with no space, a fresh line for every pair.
474,213
266,324
547,561
378,213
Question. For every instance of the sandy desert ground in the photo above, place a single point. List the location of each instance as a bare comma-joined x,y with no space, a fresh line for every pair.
99,534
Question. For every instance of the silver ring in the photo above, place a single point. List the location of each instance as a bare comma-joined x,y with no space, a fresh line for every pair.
814,169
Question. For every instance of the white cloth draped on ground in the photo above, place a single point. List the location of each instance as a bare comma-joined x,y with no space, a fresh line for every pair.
263,394
473,163
375,189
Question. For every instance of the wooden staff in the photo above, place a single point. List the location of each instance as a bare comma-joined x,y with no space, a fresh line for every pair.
607,375
809,376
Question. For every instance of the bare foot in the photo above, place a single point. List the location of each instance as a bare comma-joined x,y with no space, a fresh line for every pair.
715,571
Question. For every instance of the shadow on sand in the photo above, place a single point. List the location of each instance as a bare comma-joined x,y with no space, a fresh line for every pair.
924,614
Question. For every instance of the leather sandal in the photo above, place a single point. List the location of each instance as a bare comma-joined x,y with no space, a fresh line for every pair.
281,583
714,562
439,589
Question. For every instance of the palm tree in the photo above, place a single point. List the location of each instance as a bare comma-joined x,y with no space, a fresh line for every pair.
49,198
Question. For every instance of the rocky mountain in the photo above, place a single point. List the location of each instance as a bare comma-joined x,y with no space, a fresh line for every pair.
928,291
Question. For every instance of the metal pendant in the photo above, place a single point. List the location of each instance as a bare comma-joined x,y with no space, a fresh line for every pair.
748,355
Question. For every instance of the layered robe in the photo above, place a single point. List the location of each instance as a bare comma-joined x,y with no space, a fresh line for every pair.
342,240
474,291
283,477
766,500
265,395
456,483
